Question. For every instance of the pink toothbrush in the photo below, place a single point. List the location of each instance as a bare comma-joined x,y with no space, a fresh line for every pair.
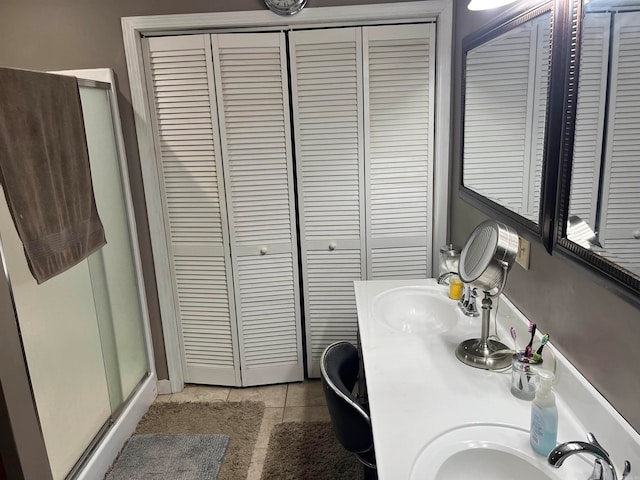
532,329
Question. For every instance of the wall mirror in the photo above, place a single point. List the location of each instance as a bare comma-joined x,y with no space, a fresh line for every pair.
599,199
506,85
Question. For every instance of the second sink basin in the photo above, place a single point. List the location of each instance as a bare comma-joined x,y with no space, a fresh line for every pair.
415,310
489,452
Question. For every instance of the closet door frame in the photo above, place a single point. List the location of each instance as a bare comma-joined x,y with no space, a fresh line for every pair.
135,28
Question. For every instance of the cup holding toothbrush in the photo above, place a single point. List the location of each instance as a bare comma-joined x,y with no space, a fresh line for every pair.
524,379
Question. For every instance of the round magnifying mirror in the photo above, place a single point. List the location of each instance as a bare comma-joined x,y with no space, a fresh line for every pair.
485,261
488,254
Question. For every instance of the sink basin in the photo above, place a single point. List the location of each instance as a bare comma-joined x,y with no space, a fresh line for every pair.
490,452
415,310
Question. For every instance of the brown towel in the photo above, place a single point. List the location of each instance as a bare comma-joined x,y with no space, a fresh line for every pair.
44,169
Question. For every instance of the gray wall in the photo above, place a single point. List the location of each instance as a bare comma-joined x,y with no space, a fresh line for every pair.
74,34
592,327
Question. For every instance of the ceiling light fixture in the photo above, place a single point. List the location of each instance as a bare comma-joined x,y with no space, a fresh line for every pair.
476,5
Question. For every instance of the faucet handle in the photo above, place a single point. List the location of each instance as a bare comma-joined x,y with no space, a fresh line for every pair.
603,468
597,473
598,467
592,439
466,295
602,472
468,301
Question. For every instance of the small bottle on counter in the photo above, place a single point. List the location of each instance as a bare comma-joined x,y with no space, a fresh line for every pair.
455,288
544,416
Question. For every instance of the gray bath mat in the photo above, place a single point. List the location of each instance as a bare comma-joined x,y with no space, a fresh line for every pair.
308,450
170,457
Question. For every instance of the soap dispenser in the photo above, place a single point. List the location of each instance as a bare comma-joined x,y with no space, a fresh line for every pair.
544,416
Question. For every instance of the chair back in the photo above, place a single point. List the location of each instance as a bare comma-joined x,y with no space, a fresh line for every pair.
351,423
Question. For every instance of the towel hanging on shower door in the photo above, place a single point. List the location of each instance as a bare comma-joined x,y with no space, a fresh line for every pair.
44,169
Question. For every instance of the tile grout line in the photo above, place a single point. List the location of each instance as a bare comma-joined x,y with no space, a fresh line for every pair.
264,423
286,397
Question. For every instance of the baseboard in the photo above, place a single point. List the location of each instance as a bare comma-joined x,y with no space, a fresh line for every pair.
111,444
164,387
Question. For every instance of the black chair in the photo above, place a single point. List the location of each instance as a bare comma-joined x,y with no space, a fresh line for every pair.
339,367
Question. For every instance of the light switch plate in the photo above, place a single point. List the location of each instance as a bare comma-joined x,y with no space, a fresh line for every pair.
524,248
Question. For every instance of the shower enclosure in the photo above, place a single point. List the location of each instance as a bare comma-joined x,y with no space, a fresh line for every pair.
85,332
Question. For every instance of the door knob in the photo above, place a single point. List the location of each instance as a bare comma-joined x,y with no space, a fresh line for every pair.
636,234
332,246
264,250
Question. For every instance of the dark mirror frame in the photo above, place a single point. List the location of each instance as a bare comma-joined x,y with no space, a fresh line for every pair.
561,18
603,271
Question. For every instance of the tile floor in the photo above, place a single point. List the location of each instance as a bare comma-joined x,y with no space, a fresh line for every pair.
294,402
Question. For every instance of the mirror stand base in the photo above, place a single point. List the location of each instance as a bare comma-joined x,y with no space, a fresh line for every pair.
479,354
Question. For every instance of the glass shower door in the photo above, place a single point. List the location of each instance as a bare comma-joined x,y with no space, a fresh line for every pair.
112,268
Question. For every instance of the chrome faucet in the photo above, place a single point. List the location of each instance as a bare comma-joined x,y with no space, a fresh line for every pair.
468,302
603,468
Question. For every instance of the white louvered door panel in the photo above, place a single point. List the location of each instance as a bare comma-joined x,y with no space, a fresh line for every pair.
590,116
180,80
326,73
399,80
496,121
620,210
253,101
330,303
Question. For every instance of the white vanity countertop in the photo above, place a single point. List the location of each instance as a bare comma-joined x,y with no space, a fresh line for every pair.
418,389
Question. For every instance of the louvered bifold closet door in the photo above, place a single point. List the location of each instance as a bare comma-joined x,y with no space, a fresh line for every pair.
180,82
499,78
620,222
590,116
253,101
326,72
399,80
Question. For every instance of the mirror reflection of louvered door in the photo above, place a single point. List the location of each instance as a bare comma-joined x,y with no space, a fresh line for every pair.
220,105
491,92
506,81
590,117
620,208
539,121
